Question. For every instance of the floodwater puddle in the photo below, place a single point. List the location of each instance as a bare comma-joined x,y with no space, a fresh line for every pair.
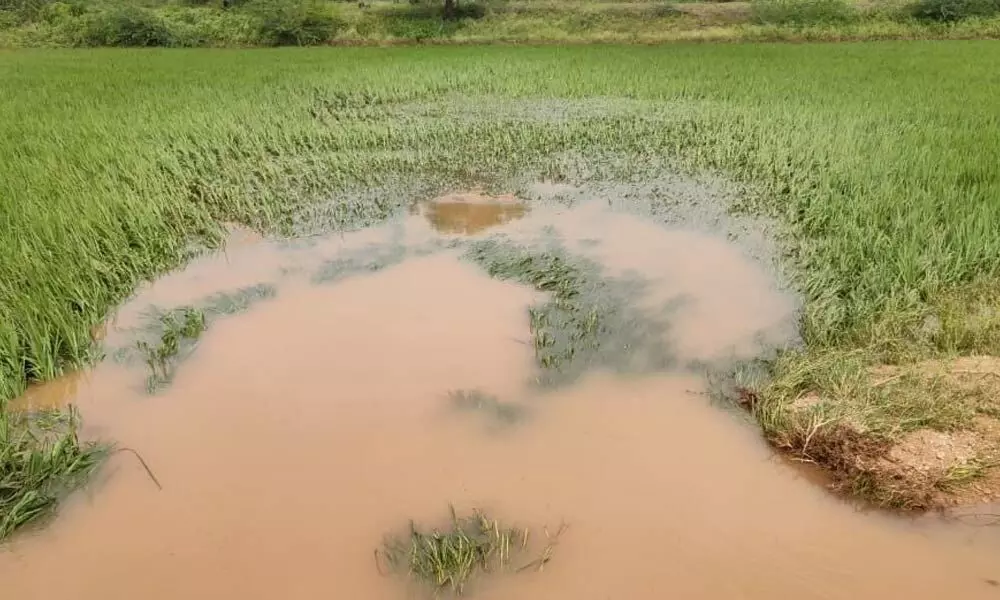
471,212
326,415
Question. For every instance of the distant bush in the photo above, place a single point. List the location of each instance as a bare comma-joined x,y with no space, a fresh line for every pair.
803,12
8,20
420,28
57,13
948,11
422,20
294,22
16,11
469,10
197,26
130,26
421,9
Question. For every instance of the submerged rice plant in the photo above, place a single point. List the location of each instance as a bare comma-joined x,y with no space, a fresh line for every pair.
449,559
41,459
181,328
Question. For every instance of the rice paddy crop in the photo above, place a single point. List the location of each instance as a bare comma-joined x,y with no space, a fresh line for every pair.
586,322
180,328
171,335
449,559
41,458
879,161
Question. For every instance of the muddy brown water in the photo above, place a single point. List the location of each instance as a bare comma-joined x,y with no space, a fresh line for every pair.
302,431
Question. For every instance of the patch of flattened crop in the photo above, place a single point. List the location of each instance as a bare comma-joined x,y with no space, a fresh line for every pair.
42,460
588,321
367,261
169,336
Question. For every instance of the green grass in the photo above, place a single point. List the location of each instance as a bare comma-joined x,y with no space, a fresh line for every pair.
169,336
878,159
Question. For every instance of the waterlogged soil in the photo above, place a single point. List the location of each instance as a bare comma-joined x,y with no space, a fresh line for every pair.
304,427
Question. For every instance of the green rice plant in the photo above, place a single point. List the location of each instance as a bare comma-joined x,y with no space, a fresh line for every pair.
41,459
224,304
449,559
588,321
170,335
180,329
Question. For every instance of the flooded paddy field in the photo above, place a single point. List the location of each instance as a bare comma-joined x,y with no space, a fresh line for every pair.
545,360
697,321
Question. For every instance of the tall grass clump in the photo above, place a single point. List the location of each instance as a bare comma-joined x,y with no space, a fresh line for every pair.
180,329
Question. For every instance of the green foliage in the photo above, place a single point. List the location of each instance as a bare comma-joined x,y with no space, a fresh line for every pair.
61,12
197,26
127,26
22,9
947,11
169,336
48,11
803,12
294,22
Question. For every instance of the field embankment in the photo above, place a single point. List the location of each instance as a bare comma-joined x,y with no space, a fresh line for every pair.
246,23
